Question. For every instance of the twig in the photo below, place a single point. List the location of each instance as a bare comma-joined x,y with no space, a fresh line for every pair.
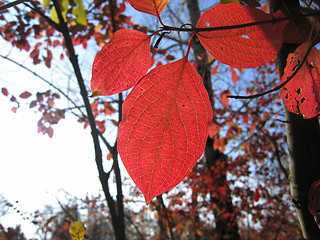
237,26
277,153
12,4
314,42
43,79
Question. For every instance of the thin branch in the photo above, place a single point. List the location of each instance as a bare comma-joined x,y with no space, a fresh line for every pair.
43,79
277,153
135,227
12,4
120,207
36,9
314,42
160,199
103,176
237,26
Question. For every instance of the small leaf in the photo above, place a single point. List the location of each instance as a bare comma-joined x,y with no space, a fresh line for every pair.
64,4
153,7
4,91
302,94
234,76
50,131
245,47
223,98
213,130
257,195
77,230
25,95
164,127
80,13
46,3
121,63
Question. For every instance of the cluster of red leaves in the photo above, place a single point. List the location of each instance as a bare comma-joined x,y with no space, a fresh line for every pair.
46,106
100,109
167,114
27,31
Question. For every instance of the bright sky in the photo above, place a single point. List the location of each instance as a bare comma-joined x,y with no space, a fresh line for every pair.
34,167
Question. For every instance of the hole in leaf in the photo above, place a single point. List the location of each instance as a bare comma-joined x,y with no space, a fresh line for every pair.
303,99
245,36
207,24
298,91
311,65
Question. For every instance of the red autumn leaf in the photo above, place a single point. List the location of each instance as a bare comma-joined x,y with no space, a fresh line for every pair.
109,156
314,201
116,123
25,95
4,91
314,197
214,69
164,127
223,98
50,131
121,63
213,130
302,94
153,7
257,195
246,47
234,76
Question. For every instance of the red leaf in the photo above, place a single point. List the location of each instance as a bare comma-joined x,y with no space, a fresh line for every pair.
4,91
213,130
50,131
242,47
109,156
115,122
33,104
234,76
25,95
121,63
257,195
153,7
302,94
314,197
214,69
223,98
164,127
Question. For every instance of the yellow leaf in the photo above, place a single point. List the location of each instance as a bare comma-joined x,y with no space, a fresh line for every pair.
228,1
64,4
80,13
46,3
77,230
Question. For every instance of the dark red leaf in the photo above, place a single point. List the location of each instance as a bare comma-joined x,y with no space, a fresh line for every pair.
25,95
4,91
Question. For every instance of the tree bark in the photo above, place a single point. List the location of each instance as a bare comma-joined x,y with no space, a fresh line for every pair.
303,137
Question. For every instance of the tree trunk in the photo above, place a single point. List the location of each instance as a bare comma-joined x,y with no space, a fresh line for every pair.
226,223
303,137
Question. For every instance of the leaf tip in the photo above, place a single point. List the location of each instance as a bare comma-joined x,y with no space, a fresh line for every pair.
96,92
